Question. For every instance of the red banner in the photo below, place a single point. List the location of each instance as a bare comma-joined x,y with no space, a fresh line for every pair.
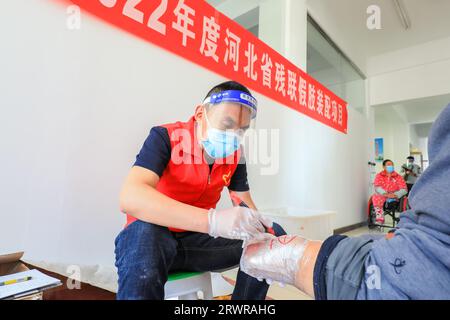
196,31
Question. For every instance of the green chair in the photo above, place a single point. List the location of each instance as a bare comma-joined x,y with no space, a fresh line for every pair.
186,285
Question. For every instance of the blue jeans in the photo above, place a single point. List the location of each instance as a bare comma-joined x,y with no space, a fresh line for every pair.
147,253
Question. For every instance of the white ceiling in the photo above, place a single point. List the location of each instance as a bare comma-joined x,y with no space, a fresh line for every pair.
347,20
430,21
419,111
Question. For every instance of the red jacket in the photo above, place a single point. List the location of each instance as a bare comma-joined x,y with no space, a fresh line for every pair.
187,177
390,184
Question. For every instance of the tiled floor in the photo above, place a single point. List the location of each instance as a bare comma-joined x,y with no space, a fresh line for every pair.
291,293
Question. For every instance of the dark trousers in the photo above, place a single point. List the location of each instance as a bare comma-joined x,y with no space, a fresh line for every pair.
147,253
409,186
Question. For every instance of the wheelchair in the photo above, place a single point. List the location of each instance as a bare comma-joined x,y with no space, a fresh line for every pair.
390,208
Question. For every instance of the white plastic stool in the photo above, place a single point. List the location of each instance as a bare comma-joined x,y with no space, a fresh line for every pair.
186,285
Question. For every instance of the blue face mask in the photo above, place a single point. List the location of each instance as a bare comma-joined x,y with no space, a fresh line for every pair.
219,143
390,169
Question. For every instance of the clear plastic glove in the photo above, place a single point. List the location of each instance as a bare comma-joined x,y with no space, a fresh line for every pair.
238,223
276,259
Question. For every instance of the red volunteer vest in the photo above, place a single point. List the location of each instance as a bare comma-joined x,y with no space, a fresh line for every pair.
187,177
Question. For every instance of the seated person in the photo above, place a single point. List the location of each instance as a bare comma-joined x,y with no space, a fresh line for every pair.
388,185
411,263
171,193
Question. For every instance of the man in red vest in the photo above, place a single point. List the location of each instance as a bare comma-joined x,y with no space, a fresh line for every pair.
171,193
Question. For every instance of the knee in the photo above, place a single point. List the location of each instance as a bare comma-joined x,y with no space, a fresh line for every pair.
139,269
145,273
140,281
142,245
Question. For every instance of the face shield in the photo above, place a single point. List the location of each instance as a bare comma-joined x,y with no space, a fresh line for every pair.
228,115
232,110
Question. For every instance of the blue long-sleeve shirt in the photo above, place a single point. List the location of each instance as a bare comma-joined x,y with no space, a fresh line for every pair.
415,263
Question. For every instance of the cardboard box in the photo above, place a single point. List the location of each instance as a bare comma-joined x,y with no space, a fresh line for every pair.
10,263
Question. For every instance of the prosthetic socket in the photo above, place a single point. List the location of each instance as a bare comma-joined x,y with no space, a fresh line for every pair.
276,259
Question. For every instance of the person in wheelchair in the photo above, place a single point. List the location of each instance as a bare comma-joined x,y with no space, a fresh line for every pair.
389,188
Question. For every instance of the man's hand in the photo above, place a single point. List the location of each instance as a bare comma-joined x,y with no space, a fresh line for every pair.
238,223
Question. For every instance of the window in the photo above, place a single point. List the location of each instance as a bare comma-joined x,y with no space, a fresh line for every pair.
328,65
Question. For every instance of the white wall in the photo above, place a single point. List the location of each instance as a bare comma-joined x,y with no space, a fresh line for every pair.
282,24
419,139
395,133
413,137
420,73
410,73
77,106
